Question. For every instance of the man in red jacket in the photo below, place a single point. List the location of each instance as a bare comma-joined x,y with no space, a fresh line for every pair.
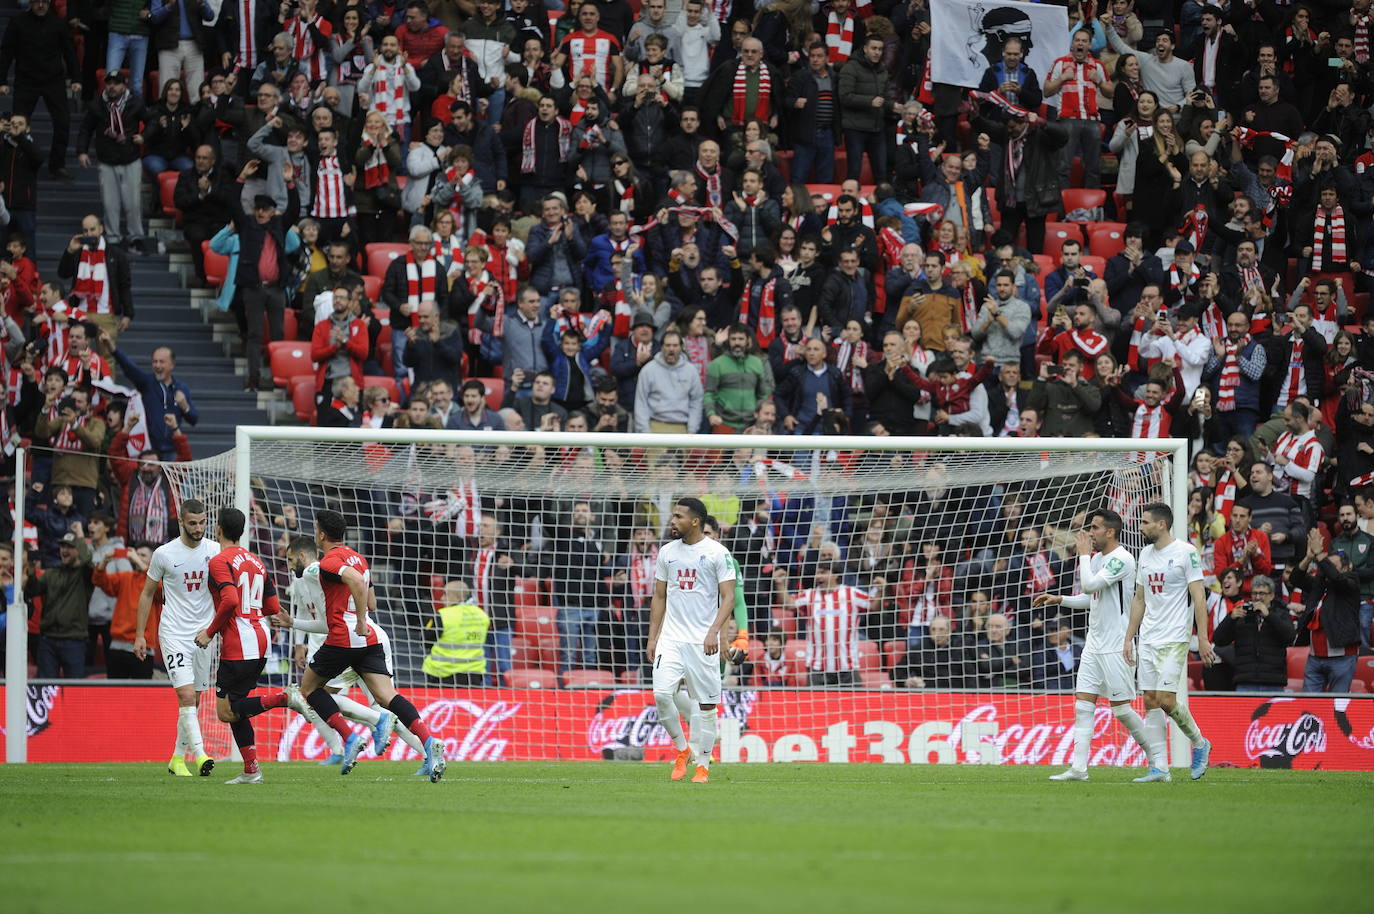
1243,547
339,344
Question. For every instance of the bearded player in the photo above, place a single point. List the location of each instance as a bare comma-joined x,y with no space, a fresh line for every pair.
243,595
351,644
181,567
1106,569
1169,601
694,593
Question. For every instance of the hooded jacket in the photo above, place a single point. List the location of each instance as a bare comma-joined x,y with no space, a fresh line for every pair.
668,393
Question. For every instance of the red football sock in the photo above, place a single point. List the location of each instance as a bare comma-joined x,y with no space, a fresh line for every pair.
273,700
336,720
420,729
250,759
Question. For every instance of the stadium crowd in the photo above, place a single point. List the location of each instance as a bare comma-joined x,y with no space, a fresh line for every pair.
488,215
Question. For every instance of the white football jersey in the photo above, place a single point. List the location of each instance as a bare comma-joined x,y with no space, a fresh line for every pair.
187,606
1165,575
1110,607
307,603
693,575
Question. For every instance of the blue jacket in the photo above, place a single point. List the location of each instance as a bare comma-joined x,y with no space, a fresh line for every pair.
159,400
597,267
1252,363
625,367
558,362
226,242
911,232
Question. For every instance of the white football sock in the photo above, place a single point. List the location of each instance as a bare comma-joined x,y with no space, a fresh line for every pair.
355,711
669,720
1134,724
704,729
296,703
1157,733
688,710
1184,718
410,739
1082,732
188,722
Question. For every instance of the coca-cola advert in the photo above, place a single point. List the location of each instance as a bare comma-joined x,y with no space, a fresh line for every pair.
74,723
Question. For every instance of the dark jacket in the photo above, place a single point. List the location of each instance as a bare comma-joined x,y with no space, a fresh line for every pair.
1039,165
1338,594
1030,96
40,48
111,150
801,123
117,271
396,289
938,667
166,24
540,254
1278,351
859,83
212,210
165,134
835,305
435,360
66,592
1261,646
488,156
252,235
890,400
1253,360
19,162
792,388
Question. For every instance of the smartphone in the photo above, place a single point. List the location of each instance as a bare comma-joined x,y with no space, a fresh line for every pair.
1335,62
1081,282
1221,115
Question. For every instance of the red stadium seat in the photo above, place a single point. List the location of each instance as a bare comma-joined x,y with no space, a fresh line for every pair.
290,324
783,162
1195,675
531,679
303,397
166,186
1364,671
1297,661
875,679
216,265
893,652
1358,687
496,391
1056,233
1082,198
1106,242
288,359
589,679
1095,263
537,621
372,288
795,651
629,677
870,658
376,380
1046,264
830,191
1105,224
380,254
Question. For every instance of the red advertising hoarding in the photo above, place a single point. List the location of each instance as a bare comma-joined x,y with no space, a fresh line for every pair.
130,724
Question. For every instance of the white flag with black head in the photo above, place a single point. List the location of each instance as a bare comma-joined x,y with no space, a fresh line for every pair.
968,36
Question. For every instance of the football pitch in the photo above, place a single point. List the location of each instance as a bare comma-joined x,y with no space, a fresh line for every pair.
619,836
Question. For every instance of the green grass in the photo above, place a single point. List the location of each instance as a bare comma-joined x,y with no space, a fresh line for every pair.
619,836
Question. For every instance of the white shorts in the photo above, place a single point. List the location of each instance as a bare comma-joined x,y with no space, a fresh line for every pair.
349,678
187,664
1163,667
679,660
1108,675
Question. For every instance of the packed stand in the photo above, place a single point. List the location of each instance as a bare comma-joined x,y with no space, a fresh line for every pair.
488,216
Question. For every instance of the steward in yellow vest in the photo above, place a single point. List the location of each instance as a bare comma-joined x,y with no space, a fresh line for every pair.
459,656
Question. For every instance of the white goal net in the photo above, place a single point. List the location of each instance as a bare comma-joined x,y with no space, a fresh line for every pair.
888,583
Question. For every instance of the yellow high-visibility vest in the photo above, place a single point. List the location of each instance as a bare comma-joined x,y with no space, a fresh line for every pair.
460,645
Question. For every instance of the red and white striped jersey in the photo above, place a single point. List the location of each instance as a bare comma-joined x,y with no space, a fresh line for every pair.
1078,94
1304,455
1150,423
330,199
243,594
832,639
462,505
59,338
313,58
83,369
340,612
592,54
483,564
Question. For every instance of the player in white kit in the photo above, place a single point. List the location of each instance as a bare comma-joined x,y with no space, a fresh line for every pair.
307,615
1169,601
1105,569
181,567
694,593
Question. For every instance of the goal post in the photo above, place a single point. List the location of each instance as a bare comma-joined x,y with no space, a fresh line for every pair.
926,533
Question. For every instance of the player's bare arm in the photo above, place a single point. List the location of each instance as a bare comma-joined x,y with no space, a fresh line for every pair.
145,609
727,608
1204,646
658,605
1137,616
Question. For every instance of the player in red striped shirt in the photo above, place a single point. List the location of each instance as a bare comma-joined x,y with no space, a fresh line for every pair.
353,644
243,595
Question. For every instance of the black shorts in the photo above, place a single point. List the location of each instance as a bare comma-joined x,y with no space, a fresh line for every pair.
236,678
331,660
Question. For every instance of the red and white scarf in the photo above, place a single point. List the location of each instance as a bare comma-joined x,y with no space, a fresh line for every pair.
625,197
1213,323
1001,101
1178,283
460,184
767,323
623,315
642,566
65,439
449,253
1195,227
92,282
1229,381
1362,38
927,94
389,90
839,37
1335,251
527,144
304,50
486,296
1224,494
844,353
421,285
968,310
741,92
1089,342
1138,335
1041,574
832,215
376,172
711,180
1293,383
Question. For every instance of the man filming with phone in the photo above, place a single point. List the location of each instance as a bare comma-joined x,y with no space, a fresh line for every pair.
1261,633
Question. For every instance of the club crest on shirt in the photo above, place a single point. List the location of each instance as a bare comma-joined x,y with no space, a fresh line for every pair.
194,580
686,578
